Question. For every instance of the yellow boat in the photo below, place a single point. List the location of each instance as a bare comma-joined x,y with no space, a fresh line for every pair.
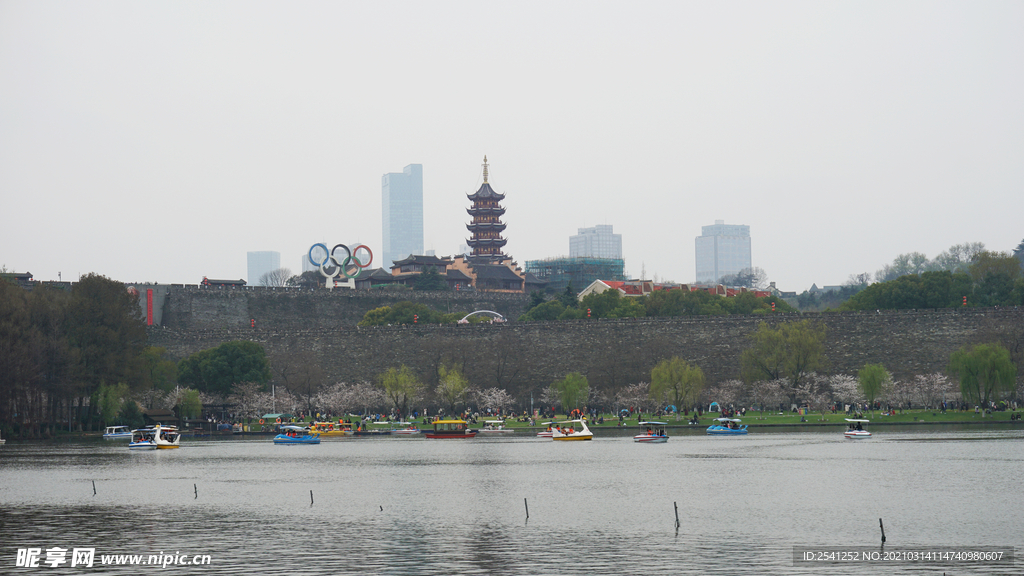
327,429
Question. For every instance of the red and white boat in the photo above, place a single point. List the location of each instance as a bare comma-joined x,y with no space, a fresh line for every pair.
546,433
655,433
856,429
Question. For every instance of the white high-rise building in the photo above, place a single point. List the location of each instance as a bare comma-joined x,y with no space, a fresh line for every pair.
596,242
259,263
722,249
402,212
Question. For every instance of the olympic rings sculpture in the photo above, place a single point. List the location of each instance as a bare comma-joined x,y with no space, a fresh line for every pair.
331,265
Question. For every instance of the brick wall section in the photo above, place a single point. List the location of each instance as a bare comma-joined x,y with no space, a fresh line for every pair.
527,356
197,308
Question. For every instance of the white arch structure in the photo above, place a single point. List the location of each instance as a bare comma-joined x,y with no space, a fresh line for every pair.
495,317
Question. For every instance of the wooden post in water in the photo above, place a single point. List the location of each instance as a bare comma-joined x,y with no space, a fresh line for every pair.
676,505
196,488
525,503
93,487
883,530
310,498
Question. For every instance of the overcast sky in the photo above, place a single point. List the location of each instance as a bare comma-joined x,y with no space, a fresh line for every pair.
161,141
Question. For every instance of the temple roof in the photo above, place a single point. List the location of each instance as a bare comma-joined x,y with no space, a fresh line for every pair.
486,192
420,259
494,272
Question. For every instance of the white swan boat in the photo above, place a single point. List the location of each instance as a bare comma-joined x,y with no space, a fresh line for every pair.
571,432
155,437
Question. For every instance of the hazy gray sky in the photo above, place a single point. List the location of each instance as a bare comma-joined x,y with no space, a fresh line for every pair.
161,141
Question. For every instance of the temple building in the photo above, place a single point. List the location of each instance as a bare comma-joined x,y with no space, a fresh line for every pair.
486,227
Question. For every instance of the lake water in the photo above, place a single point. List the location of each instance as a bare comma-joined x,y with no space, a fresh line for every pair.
414,506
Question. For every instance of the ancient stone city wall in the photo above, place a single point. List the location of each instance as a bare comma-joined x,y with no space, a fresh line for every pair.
527,356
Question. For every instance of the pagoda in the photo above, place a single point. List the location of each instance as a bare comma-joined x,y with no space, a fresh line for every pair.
486,226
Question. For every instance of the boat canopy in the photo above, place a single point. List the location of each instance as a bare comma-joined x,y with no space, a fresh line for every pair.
654,423
857,420
728,419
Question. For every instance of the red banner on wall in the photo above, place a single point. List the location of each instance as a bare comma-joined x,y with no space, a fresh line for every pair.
149,307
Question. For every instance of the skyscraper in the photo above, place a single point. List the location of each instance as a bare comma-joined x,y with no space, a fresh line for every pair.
402,211
722,249
596,242
259,263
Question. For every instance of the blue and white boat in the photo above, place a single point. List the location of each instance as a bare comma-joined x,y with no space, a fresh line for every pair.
727,427
292,434
655,433
117,433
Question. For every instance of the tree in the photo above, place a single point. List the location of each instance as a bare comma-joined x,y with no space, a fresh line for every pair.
549,310
747,278
452,386
873,379
790,350
157,372
1018,252
301,374
277,277
494,398
190,406
105,325
984,371
107,401
429,279
677,381
217,370
308,279
573,391
768,393
401,386
636,396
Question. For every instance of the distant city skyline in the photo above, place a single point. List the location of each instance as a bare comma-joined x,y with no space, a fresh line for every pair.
843,134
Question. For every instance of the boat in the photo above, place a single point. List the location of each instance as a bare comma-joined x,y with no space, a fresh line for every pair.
495,427
856,428
328,429
450,429
292,434
570,432
727,427
365,430
546,433
655,433
409,429
155,437
117,433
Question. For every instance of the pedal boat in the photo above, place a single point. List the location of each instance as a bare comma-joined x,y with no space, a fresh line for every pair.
409,430
655,433
856,429
495,427
570,432
546,433
117,433
450,429
155,437
329,429
297,435
727,427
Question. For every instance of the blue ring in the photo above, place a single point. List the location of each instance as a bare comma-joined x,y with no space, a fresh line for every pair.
326,251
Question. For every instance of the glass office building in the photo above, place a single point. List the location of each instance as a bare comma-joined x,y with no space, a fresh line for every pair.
722,249
402,212
259,263
596,242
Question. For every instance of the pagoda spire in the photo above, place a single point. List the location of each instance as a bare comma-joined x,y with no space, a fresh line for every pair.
485,169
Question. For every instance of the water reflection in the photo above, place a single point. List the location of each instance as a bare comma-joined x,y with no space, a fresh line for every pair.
386,506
